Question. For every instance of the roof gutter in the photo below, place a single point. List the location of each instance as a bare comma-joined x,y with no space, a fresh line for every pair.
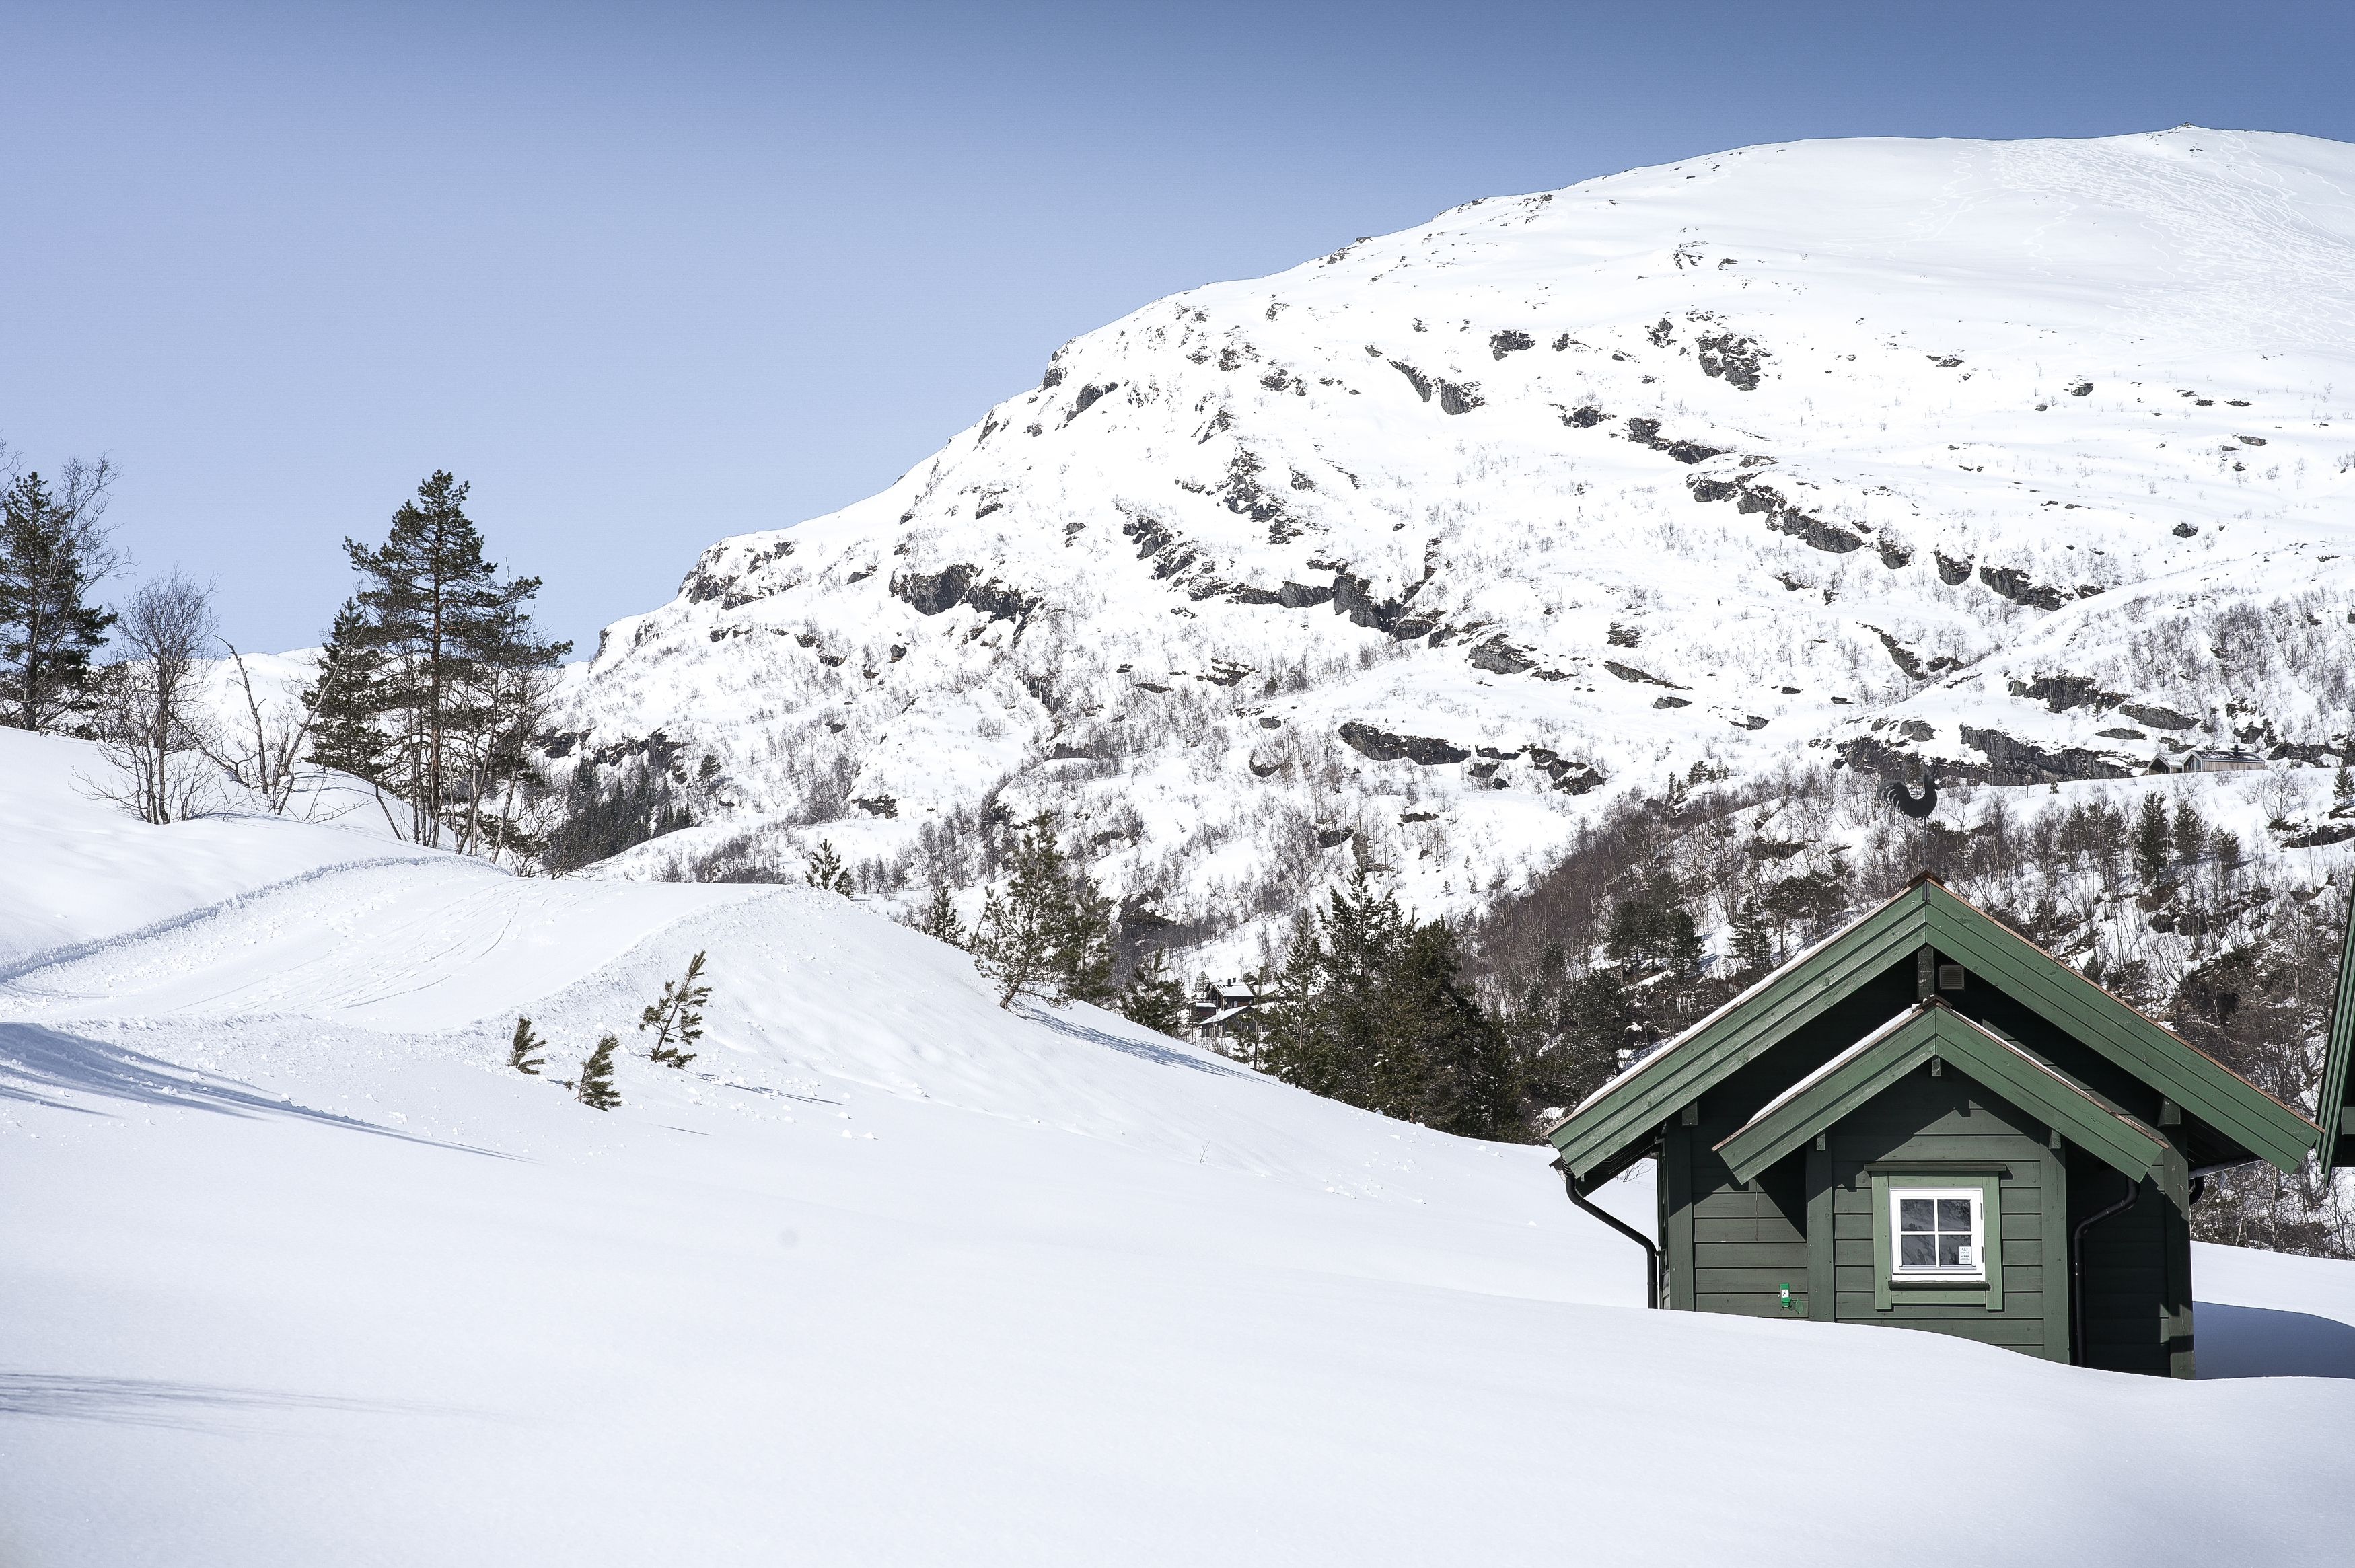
1651,1253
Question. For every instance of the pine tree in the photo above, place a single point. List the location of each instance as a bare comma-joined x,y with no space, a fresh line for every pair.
1083,949
1446,1063
940,920
1369,1008
1155,998
342,699
827,873
1049,933
458,669
2342,786
1752,948
2154,839
596,1088
52,555
677,1018
1651,927
524,1050
2190,833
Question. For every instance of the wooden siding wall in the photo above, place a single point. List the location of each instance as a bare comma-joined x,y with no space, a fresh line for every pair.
1942,1119
2138,1272
1731,1248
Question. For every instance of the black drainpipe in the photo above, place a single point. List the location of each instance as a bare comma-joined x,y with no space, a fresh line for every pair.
2077,1268
1651,1253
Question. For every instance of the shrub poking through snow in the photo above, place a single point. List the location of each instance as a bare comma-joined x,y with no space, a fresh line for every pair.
596,1088
827,873
677,1018
524,1050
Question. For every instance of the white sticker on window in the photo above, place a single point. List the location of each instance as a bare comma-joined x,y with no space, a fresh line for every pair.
1966,1256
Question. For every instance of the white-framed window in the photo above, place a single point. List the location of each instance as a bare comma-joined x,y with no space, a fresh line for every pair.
1937,1232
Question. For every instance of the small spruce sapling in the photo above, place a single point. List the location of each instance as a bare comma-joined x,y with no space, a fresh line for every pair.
524,1050
677,1018
827,873
596,1088
2342,786
940,920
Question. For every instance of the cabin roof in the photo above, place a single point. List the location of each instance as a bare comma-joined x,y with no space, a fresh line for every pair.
2338,1146
1620,1116
1859,1073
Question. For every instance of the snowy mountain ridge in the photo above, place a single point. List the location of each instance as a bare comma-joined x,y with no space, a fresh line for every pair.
2029,461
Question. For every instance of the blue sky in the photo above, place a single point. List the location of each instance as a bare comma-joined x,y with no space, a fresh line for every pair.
649,275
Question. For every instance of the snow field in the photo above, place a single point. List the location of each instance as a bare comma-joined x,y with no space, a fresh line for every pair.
299,1273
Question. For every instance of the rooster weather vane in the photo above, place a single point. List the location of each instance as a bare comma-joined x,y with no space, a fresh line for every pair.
1907,801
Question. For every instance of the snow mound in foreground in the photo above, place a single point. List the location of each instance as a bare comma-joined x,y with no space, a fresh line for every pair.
299,1272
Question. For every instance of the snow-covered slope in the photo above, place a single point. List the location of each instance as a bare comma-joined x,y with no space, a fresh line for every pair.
298,1273
2034,458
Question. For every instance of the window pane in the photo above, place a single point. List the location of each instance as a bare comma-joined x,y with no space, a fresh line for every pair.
1915,1213
1955,1215
1916,1250
1950,1250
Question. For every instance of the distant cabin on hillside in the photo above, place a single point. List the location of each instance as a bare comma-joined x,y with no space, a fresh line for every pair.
1929,1122
2223,762
1226,1010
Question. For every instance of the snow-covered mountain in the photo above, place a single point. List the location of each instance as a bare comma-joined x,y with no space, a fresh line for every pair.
2031,459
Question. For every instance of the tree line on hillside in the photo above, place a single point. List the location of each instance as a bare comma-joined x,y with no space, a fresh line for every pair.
432,689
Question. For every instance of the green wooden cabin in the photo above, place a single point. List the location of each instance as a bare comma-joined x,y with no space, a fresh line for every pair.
1928,1121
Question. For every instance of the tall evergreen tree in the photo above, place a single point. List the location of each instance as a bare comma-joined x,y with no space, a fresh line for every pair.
1753,949
457,666
1369,1008
2154,839
1155,998
53,554
2190,834
1049,934
342,699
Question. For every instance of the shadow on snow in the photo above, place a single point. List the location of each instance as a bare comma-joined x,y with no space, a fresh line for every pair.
2263,1341
38,1066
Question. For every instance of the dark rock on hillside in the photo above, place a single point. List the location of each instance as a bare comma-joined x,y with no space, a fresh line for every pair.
1952,572
1353,597
1455,398
2012,761
1504,342
1752,497
1640,677
1380,745
2062,693
1734,358
936,593
1569,775
2016,585
1501,658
